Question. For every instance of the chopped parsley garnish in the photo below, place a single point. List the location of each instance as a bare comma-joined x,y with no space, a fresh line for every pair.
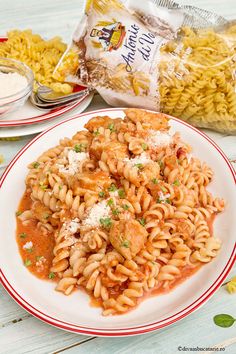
176,182
43,186
23,235
155,181
79,147
111,127
60,188
142,221
125,207
139,166
106,222
110,202
96,132
144,146
125,244
115,212
18,213
168,201
121,193
27,263
163,189
38,258
101,194
51,275
112,188
161,164
35,164
46,216
29,250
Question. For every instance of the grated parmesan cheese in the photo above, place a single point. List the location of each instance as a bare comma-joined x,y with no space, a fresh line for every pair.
189,157
140,159
98,211
28,245
11,84
157,138
163,197
114,194
40,262
72,226
74,158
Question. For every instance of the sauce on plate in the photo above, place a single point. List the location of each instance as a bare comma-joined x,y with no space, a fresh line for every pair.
35,247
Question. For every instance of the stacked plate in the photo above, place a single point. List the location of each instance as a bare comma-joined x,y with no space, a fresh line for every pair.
30,120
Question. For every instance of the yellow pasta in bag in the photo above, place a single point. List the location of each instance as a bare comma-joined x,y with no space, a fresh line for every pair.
157,55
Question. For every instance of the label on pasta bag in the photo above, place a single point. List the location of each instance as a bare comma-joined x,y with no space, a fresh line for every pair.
120,50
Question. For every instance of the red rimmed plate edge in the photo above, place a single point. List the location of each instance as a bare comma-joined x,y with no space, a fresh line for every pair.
54,113
131,330
47,116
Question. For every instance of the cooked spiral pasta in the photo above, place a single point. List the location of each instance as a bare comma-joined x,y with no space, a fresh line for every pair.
124,221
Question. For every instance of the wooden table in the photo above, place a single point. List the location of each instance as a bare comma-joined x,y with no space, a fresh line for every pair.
22,333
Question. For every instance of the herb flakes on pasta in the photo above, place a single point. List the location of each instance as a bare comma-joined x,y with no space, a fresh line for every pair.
115,230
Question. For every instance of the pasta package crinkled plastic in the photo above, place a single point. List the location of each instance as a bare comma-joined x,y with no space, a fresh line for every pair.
157,55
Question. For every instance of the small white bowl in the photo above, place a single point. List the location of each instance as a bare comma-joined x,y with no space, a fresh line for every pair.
15,101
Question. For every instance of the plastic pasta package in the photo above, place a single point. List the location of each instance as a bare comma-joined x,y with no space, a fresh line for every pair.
157,55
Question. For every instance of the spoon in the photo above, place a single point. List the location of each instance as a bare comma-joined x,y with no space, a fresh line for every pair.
46,98
48,95
34,99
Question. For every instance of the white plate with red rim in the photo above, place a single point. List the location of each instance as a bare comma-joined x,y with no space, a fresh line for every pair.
28,114
28,129
73,313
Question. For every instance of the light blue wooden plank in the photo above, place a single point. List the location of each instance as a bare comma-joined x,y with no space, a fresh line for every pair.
196,330
34,336
9,309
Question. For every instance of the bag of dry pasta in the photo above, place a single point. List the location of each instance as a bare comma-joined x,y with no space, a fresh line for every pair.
157,55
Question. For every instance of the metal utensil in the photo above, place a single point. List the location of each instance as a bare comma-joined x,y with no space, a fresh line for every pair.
46,98
35,101
46,94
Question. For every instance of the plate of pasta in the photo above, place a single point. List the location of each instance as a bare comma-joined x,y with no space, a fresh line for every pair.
120,225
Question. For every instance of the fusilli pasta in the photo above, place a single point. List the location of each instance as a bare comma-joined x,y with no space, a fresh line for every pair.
124,222
40,55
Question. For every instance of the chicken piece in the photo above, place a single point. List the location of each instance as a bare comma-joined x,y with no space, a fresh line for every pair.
128,237
171,161
150,171
97,146
93,181
105,122
149,120
40,212
115,150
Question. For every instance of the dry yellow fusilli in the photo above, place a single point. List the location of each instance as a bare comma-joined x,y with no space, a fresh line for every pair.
40,55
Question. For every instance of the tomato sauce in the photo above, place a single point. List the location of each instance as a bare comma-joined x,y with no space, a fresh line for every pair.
38,258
